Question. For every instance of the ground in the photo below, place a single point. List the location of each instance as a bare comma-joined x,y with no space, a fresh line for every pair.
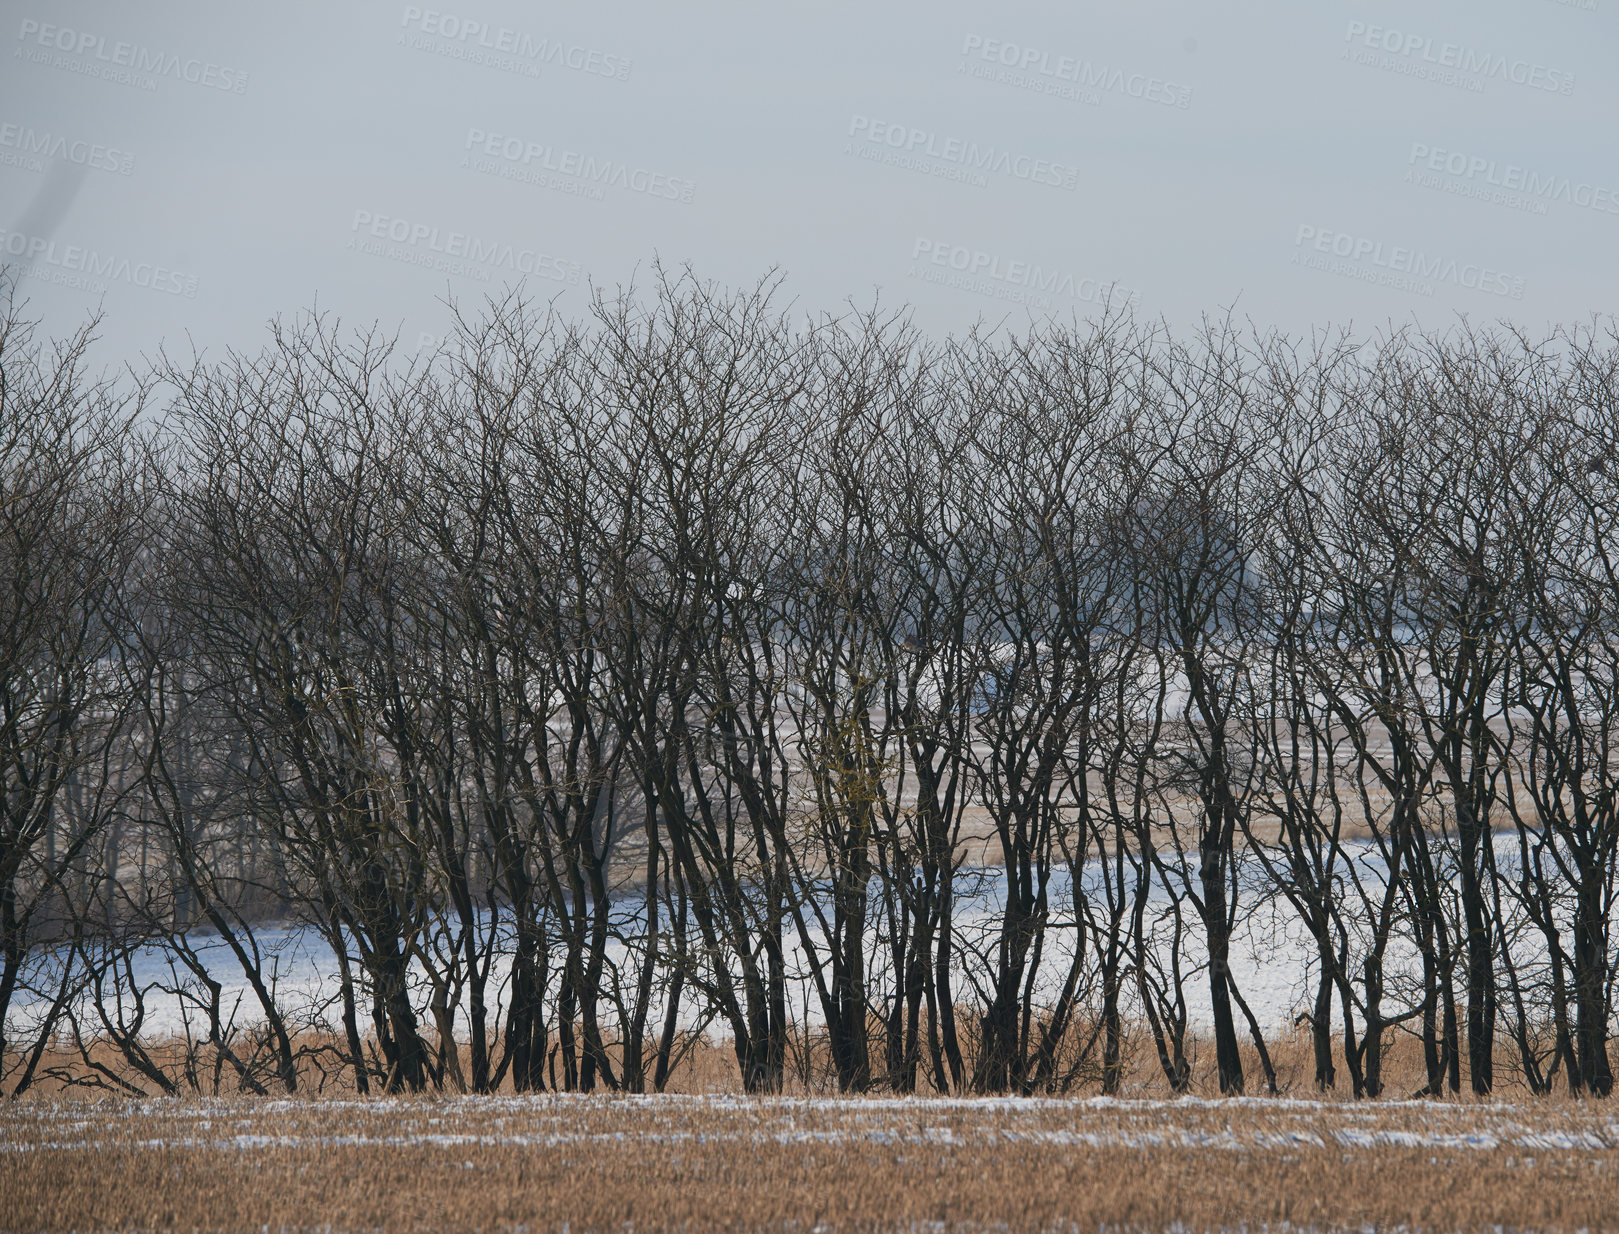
571,1163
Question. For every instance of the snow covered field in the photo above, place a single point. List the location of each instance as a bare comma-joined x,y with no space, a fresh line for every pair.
1270,961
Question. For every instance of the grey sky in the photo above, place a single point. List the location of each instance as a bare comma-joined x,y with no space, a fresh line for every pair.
1343,163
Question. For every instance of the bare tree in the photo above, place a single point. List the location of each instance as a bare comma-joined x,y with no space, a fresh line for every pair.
67,537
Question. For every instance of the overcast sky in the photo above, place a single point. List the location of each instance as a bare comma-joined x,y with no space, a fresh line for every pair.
198,168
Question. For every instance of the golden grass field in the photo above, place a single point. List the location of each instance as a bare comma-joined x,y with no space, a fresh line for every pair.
717,1161
708,1158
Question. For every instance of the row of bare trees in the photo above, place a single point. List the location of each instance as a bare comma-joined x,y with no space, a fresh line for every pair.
903,713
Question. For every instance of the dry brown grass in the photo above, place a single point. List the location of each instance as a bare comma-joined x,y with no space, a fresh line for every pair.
726,1162
710,1066
705,1157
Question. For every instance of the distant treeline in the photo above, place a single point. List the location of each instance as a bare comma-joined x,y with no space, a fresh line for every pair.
695,666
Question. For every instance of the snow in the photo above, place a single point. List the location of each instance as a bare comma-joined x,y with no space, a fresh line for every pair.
1271,961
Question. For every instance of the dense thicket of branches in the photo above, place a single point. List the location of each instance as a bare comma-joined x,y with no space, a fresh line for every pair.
949,707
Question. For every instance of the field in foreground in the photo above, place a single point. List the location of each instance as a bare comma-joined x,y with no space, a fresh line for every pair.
724,1162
